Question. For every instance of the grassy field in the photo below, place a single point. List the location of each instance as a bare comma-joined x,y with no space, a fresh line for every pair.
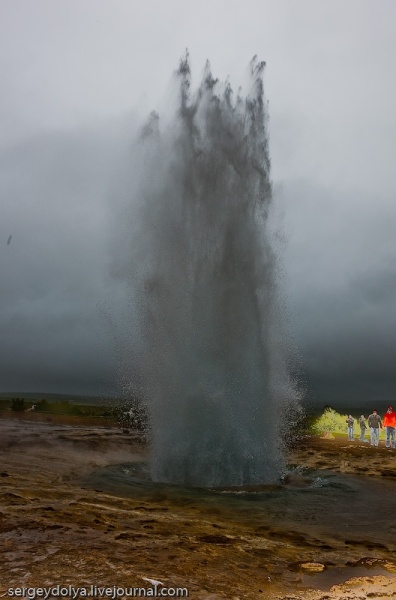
90,410
33,397
64,406
75,410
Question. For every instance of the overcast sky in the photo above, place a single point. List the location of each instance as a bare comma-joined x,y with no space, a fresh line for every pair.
75,79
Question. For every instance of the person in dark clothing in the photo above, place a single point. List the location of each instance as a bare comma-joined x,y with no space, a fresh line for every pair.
375,424
363,427
350,422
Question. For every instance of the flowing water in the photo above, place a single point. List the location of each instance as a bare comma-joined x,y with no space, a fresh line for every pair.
211,348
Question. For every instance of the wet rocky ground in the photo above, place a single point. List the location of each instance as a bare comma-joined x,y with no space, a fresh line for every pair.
56,530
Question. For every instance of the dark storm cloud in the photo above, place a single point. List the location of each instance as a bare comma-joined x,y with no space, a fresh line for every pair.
342,289
58,314
55,192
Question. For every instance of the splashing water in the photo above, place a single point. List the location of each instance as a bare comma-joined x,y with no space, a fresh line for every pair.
213,358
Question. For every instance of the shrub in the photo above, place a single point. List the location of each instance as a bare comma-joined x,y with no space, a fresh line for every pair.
42,406
330,422
18,404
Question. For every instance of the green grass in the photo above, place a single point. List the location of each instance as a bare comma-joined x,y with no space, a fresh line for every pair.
63,407
33,397
128,414
330,421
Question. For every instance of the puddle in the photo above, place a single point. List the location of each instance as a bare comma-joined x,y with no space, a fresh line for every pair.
321,502
335,575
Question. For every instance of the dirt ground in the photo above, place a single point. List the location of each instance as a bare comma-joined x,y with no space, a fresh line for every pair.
54,530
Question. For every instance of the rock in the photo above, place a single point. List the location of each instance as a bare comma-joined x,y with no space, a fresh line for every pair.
371,563
307,567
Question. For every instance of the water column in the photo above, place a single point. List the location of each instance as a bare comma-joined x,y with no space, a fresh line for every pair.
212,356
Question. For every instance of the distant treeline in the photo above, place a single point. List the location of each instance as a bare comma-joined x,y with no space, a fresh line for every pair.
128,414
65,407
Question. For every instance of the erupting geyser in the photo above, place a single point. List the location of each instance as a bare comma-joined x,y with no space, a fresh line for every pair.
214,361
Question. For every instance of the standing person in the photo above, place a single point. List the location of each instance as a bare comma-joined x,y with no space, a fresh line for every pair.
389,421
375,424
350,421
363,427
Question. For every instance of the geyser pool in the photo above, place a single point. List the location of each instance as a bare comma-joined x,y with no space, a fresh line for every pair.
211,350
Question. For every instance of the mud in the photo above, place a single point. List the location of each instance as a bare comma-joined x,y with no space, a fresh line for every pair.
55,529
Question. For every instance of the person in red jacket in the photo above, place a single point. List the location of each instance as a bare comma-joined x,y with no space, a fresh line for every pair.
389,421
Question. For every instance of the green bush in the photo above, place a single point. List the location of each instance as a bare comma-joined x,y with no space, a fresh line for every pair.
42,406
330,422
18,404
